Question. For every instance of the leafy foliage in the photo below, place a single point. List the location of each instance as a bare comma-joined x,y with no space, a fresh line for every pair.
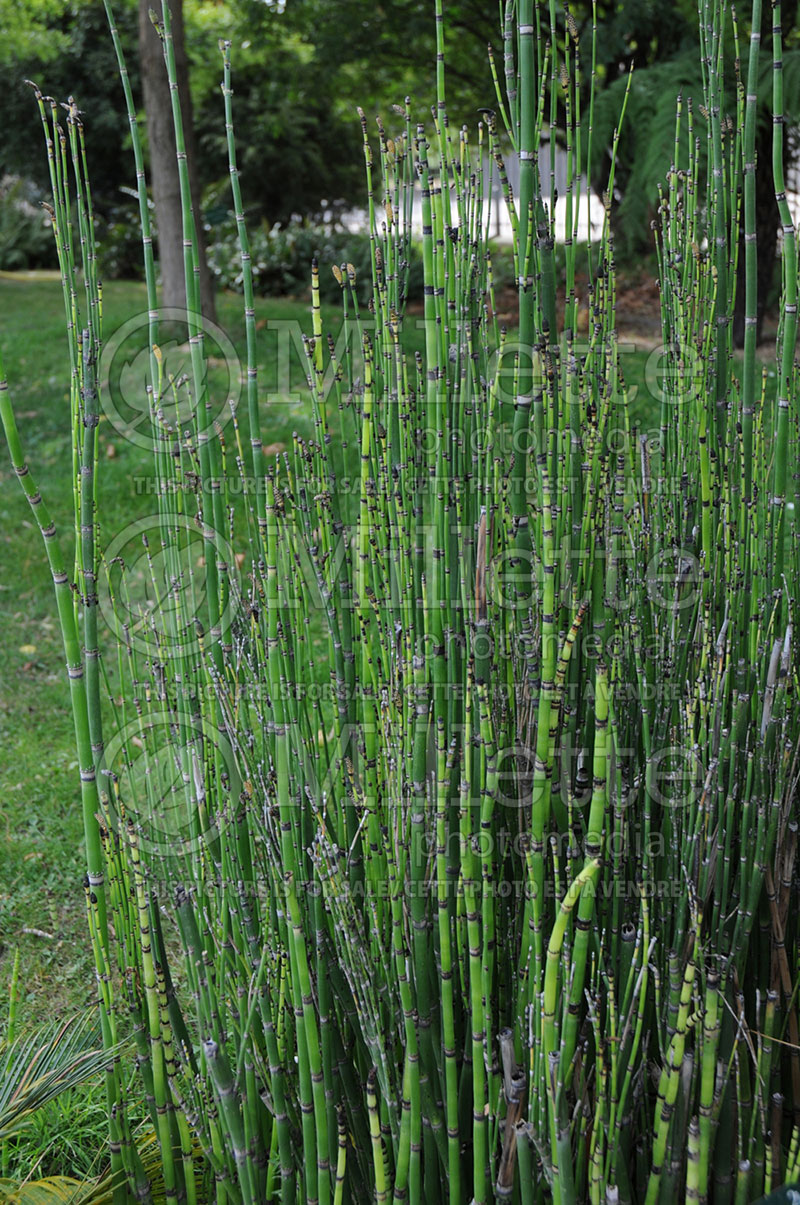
301,153
647,143
377,53
298,76
71,56
35,1067
99,1190
25,237
36,34
282,255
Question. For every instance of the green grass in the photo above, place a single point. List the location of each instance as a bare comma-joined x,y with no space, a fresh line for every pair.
66,1137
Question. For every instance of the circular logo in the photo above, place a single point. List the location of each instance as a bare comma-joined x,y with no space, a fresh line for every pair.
178,782
128,366
155,589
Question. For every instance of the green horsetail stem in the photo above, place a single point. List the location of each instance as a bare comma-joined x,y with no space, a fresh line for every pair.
750,250
789,321
82,662
247,280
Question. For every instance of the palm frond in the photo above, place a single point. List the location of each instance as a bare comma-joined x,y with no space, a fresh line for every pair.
647,141
53,1190
35,1067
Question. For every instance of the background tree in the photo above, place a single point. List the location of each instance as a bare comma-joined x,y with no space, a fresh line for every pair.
298,76
660,43
163,164
67,51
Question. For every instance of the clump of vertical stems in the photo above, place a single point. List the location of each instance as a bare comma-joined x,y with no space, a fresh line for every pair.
482,722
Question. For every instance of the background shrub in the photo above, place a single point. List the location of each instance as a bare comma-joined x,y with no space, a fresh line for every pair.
26,240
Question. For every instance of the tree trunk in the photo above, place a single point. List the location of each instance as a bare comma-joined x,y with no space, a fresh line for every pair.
163,161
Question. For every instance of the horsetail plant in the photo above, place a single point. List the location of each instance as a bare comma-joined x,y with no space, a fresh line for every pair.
434,806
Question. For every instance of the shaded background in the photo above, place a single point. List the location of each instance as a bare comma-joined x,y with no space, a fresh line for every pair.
300,69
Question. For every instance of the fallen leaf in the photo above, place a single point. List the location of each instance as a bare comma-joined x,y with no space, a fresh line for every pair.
27,649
